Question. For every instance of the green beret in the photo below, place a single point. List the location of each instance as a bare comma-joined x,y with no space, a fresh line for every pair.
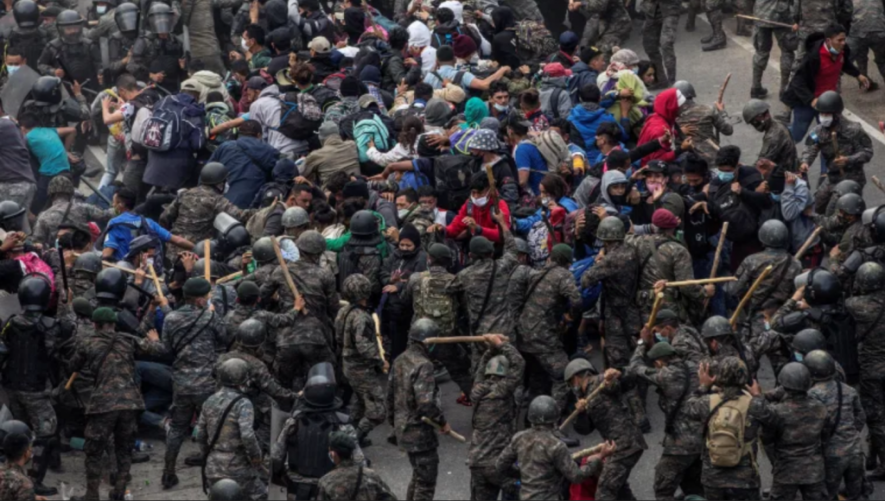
562,252
481,246
341,442
248,291
104,315
196,287
666,315
660,350
440,251
82,307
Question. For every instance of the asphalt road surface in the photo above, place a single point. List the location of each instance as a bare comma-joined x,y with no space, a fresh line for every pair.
706,70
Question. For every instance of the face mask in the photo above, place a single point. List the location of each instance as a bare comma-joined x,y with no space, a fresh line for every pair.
833,52
726,176
661,339
101,9
402,213
226,188
825,120
767,325
775,197
635,70
149,261
480,202
12,69
545,201
652,187
501,107
760,125
798,356
618,199
244,45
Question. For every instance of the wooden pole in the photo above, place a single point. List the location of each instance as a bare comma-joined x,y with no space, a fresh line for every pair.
71,380
124,270
656,307
156,282
878,184
716,256
722,89
289,281
808,242
452,433
749,294
587,452
229,278
207,261
574,414
454,339
378,338
701,281
766,21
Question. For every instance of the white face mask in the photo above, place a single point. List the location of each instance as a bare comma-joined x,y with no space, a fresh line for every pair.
825,120
101,9
226,188
480,202
243,44
402,213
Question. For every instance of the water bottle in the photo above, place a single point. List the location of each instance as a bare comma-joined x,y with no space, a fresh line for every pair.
128,495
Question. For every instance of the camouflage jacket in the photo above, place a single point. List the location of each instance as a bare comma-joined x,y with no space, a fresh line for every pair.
543,461
868,312
851,142
799,425
494,408
856,236
355,339
352,481
777,144
262,273
411,395
415,290
619,273
79,213
710,122
689,344
777,285
612,13
321,298
816,15
15,483
774,10
195,337
664,258
869,17
551,294
517,288
733,347
237,452
262,385
676,383
845,438
610,413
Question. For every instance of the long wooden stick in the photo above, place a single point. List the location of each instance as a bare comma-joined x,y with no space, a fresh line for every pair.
701,281
878,184
156,282
454,339
289,281
228,278
587,452
808,242
766,21
207,261
378,337
576,412
722,89
655,308
749,294
71,380
452,433
124,270
716,256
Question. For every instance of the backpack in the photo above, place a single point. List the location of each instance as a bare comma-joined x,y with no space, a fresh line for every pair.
452,173
534,37
434,303
217,114
725,430
742,223
255,225
334,80
442,35
553,103
370,129
552,148
413,179
696,238
301,116
136,129
166,128
538,239
589,295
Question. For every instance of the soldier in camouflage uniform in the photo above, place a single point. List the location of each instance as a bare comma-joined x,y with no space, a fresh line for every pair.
659,38
310,340
798,425
610,413
194,335
540,460
350,480
14,481
360,356
684,338
115,400
498,375
551,294
787,42
63,208
192,214
849,209
843,452
614,22
777,144
843,144
261,387
723,342
227,439
716,39
705,123
412,395
265,259
867,33
676,380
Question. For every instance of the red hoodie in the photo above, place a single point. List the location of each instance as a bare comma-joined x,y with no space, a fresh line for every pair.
483,218
663,119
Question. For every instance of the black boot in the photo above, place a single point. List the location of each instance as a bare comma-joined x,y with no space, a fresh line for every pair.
170,480
758,92
715,44
42,490
195,460
707,39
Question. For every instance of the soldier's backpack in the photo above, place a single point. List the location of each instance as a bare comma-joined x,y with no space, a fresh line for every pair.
434,302
534,38
725,430
300,116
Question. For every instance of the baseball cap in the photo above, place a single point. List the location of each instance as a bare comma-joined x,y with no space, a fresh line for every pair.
320,45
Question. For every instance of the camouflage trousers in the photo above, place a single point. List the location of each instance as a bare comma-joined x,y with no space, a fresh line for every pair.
542,368
20,193
788,491
848,468
861,47
457,361
292,363
367,408
35,409
614,481
674,471
184,407
102,430
253,487
733,493
425,467
658,41
763,41
872,396
485,483
525,9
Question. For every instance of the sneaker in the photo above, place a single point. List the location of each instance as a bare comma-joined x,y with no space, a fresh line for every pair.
567,440
170,480
758,92
42,490
195,460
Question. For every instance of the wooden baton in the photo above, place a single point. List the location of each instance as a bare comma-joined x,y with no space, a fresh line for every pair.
808,242
655,308
71,380
701,281
454,339
749,294
452,433
587,452
229,278
574,414
289,281
722,90
878,184
124,270
156,282
766,21
719,246
378,338
207,261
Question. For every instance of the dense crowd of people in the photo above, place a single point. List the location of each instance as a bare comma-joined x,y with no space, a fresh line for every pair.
310,213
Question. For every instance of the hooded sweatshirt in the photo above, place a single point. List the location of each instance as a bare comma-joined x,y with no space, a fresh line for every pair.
563,104
609,178
662,120
586,118
504,42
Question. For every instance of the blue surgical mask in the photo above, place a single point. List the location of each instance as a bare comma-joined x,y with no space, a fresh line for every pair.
726,176
661,339
636,70
775,197
10,70
501,107
798,356
833,52
767,325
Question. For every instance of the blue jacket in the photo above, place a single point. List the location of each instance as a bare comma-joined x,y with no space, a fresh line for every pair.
586,118
250,163
581,76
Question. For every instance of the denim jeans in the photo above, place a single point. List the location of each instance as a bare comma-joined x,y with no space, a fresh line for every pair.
803,118
156,382
116,159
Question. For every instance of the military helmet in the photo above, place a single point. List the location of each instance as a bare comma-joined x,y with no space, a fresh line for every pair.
233,373
660,350
70,26
576,367
320,389
226,490
753,109
364,224
686,88
808,340
294,217
214,249
422,329
870,277
110,284
522,247
34,292
216,269
262,250
14,426
311,242
160,18
795,377
611,229
774,234
11,215
875,218
68,17
716,326
251,333
732,371
26,14
88,262
847,186
821,365
356,287
213,173
851,204
543,410
497,366
127,17
830,102
47,90
824,288
141,243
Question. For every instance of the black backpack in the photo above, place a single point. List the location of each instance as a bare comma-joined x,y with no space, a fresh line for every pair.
452,174
696,237
444,36
300,116
742,222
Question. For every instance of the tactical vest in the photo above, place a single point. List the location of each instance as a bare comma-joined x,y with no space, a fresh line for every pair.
76,60
309,446
349,264
28,365
434,303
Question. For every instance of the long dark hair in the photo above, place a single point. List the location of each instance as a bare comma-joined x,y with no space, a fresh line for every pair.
412,128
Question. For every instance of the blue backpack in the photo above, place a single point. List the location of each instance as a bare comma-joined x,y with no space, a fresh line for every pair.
413,179
374,129
591,294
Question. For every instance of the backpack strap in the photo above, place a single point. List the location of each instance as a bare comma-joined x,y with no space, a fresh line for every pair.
554,101
459,76
359,483
215,438
838,409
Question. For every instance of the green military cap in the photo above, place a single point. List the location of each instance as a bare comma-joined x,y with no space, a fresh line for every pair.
340,441
248,291
660,350
481,246
562,252
666,315
439,251
197,287
104,315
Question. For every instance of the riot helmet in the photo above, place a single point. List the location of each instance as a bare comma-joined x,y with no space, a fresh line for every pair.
423,329
34,292
88,262
262,250
364,224
319,392
160,19
70,26
870,277
821,365
311,242
821,287
213,173
795,377
611,229
110,284
12,427
127,18
716,326
226,490
576,367
233,373
774,234
874,218
686,88
753,110
808,340
251,333
11,216
231,233
847,186
851,204
47,90
830,102
26,13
